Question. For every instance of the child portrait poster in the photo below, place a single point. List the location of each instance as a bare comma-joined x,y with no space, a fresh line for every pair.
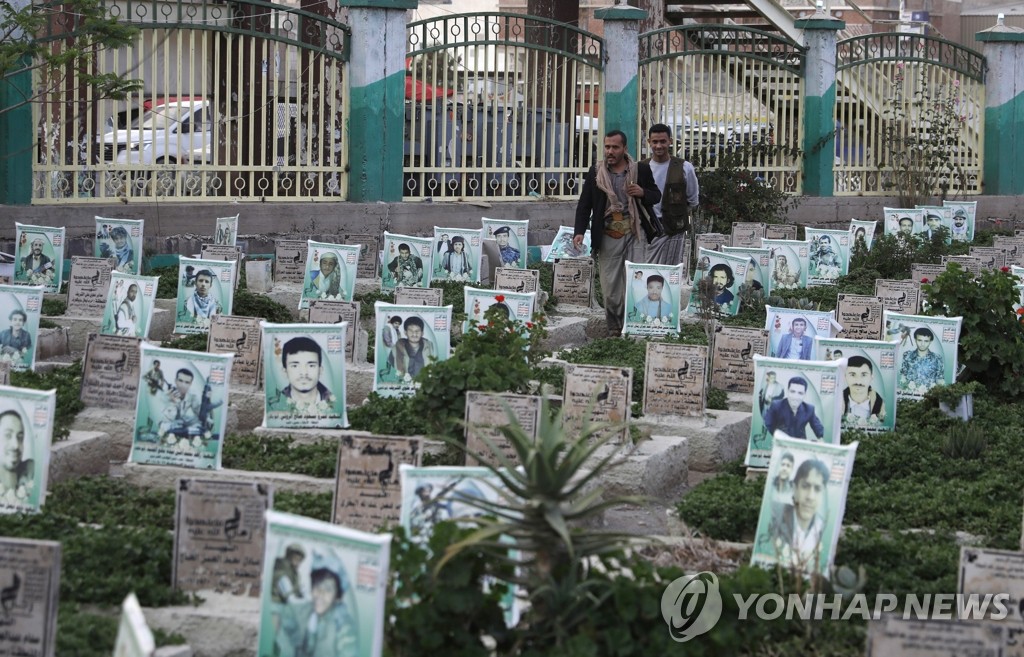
926,351
205,288
652,299
30,413
181,410
304,375
793,399
868,394
127,316
758,276
120,239
20,307
39,257
330,272
407,261
803,505
516,306
728,271
408,338
457,254
788,263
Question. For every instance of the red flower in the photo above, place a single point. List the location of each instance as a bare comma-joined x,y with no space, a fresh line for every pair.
499,298
529,325
1020,311
482,327
1005,270
924,280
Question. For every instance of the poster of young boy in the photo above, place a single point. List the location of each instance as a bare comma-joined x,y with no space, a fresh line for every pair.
798,400
869,392
39,257
652,299
802,506
514,306
758,277
727,271
457,254
20,307
26,428
407,261
304,375
205,288
181,410
830,256
927,351
408,338
788,263
330,272
120,239
130,302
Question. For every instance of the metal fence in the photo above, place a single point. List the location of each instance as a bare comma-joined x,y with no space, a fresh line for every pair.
904,89
723,87
500,105
243,101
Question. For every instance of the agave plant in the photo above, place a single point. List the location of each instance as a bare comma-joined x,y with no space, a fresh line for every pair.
540,523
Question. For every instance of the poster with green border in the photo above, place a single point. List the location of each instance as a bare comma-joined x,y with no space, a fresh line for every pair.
205,288
26,428
304,375
457,254
20,307
408,338
728,271
788,263
830,255
869,393
510,238
120,239
653,295
39,256
130,303
927,351
330,272
407,261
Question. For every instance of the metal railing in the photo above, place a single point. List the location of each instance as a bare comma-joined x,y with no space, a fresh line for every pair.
500,105
242,102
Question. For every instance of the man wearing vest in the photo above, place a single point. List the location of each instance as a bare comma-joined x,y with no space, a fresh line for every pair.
680,194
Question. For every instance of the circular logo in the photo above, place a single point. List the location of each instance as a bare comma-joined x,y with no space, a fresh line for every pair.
691,605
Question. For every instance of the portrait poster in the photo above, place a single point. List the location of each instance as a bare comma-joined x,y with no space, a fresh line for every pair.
516,306
674,379
39,258
732,356
802,506
333,577
20,307
992,258
225,231
290,261
233,334
437,493
747,234
88,286
562,246
407,338
927,353
964,215
792,331
788,264
510,238
830,255
780,232
336,312
908,637
573,282
798,400
30,601
120,239
304,376
903,221
487,413
597,394
970,264
219,536
860,316
367,490
728,271
205,288
224,252
712,241
862,230
111,371
936,217
134,638
330,272
899,296
407,261
368,262
1012,248
652,299
925,272
457,254
517,280
181,409
985,572
26,426
869,392
128,310
758,276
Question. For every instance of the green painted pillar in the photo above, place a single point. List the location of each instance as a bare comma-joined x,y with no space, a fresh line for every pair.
619,93
376,74
819,101
1003,48
16,137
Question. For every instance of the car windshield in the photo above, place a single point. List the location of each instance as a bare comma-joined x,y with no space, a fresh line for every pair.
160,117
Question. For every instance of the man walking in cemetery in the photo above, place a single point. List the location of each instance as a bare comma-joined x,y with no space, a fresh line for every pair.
680,194
614,193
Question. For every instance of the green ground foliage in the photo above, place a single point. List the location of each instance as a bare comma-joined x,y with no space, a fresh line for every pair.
53,306
247,304
281,454
189,342
367,299
167,286
67,381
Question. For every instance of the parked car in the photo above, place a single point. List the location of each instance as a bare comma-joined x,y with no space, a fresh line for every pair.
166,134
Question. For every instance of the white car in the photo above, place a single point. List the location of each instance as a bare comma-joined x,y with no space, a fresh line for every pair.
168,133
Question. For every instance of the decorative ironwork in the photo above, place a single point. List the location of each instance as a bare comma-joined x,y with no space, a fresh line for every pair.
708,39
897,46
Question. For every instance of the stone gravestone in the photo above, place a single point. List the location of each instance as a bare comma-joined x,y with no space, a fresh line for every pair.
225,252
574,281
486,411
88,285
258,276
597,393
219,536
992,258
747,234
779,232
419,296
367,494
986,573
920,271
971,264
369,254
893,635
290,261
325,311
674,379
110,371
241,336
712,241
1013,247
860,315
29,587
510,279
899,296
732,357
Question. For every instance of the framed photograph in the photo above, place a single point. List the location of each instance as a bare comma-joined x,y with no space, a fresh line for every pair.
791,331
408,338
205,288
330,272
130,302
457,254
927,351
728,271
225,231
964,215
510,238
20,307
869,391
26,431
862,230
181,410
905,221
39,258
652,299
516,306
407,261
758,276
563,247
789,263
830,256
120,239
304,375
